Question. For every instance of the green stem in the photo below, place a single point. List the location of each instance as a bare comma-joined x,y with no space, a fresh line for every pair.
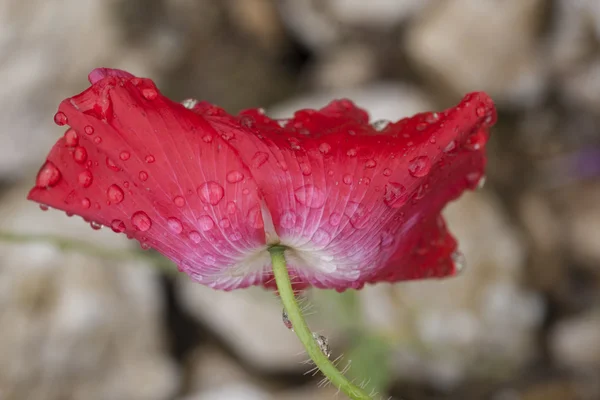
288,299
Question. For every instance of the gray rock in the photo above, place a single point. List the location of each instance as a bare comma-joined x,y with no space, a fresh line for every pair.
469,45
75,325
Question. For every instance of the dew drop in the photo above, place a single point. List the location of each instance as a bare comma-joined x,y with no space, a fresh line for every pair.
324,148
234,177
195,237
259,159
419,167
60,118
321,237
387,172
189,103
208,138
323,344
432,118
370,164
335,219
141,221
149,93
255,218
115,194
395,195
351,153
224,223
117,225
97,140
231,207
111,164
387,239
150,159
480,111
348,179
80,155
85,178
306,169
48,176
44,207
89,130
288,219
310,195
421,126
86,203
179,201
286,320
71,138
227,135
450,146
211,192
360,217
175,225
143,175
125,155
205,223
95,225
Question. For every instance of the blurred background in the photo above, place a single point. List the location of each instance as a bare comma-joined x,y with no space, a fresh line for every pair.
85,314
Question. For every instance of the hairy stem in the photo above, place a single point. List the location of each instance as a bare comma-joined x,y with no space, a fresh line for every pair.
294,313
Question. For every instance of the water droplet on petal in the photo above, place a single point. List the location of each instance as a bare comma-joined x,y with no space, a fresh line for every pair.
89,130
450,146
224,223
321,237
115,194
141,221
348,179
125,155
211,192
335,219
421,126
259,159
48,176
149,93
189,103
71,138
387,239
286,320
419,166
459,260
95,225
175,225
395,195
85,178
481,183
480,111
44,207
179,201
86,203
255,218
288,219
306,169
351,153
387,172
208,138
143,176
205,223
235,177
150,159
324,148
231,207
110,164
359,215
80,155
97,140
432,118
117,225
60,118
310,195
370,164
195,237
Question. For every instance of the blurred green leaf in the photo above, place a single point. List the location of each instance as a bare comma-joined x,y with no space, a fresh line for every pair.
370,357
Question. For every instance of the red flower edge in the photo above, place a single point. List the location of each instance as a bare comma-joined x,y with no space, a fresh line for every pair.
353,202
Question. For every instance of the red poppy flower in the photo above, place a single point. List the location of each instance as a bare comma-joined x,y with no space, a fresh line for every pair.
352,202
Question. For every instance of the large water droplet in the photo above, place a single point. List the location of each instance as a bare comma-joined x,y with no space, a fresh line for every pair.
149,93
80,155
115,194
95,225
234,177
205,223
419,166
259,159
255,218
310,195
211,192
323,344
117,225
85,178
175,225
141,221
60,118
179,201
395,195
71,138
288,219
86,203
48,176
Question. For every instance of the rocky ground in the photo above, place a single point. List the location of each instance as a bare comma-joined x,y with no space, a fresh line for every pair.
87,315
